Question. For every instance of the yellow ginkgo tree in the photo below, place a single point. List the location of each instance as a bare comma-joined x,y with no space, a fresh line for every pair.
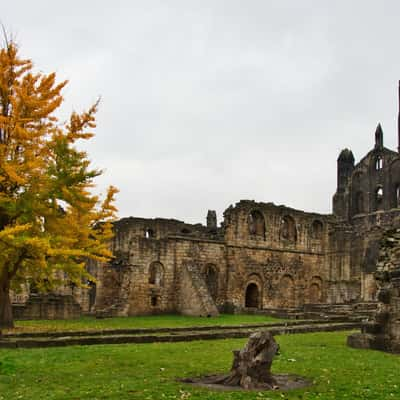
50,220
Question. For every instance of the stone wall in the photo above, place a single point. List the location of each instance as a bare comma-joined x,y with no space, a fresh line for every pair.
383,332
51,306
264,256
285,263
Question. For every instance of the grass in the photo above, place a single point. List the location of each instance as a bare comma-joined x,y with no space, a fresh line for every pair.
157,321
149,371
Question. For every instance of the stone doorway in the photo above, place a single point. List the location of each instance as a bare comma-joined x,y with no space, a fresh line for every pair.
252,296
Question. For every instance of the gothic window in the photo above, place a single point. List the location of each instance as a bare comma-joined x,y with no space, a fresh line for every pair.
316,229
378,163
156,274
256,224
288,229
378,198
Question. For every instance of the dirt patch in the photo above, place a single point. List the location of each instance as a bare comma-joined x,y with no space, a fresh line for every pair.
285,382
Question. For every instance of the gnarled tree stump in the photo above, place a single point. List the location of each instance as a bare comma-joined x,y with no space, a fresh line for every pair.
251,367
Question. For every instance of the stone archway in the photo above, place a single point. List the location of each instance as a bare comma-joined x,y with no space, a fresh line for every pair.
253,297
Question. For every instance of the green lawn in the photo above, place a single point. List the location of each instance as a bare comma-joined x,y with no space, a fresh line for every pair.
149,371
157,321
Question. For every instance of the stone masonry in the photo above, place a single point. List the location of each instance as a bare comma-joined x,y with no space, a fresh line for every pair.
383,333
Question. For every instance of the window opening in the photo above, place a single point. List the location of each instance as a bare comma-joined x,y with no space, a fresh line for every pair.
378,163
149,233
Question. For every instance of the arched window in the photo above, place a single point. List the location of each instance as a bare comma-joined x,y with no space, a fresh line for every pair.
256,224
378,163
359,203
156,274
211,278
317,229
149,233
378,198
288,229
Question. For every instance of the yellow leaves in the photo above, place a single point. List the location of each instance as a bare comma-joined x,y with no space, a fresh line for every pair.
65,252
9,233
78,123
12,174
108,209
52,219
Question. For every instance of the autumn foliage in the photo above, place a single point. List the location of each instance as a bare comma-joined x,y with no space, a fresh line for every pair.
50,221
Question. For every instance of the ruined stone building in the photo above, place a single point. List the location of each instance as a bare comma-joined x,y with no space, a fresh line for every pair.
262,256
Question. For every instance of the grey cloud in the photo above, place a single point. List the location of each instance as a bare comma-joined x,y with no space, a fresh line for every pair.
208,102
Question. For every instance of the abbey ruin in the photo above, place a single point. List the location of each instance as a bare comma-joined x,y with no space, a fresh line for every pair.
262,256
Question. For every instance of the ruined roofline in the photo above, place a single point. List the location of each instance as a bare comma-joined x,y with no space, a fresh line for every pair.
157,219
249,204
168,227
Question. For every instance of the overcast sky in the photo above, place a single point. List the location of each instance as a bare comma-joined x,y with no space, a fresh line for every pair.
208,102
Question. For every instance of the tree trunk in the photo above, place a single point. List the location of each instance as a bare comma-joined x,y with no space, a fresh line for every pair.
6,317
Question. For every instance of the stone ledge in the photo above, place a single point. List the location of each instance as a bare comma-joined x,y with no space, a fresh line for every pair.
31,342
373,342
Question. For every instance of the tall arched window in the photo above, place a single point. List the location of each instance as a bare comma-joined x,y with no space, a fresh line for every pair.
379,198
156,274
288,228
378,163
317,229
256,224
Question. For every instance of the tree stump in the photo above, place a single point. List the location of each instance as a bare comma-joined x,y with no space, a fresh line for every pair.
251,367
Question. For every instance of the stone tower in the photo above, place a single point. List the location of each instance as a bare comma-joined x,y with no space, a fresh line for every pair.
211,219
